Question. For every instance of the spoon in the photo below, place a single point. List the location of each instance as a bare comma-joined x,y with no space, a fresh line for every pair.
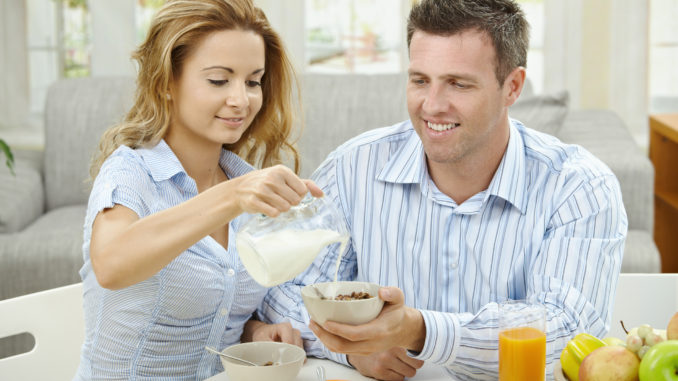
318,292
209,349
320,372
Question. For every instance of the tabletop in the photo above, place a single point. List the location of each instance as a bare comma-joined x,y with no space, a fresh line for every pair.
334,371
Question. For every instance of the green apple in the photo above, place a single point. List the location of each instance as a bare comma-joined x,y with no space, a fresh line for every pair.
609,363
660,362
611,340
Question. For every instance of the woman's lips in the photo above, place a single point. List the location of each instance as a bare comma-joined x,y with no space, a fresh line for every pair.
233,122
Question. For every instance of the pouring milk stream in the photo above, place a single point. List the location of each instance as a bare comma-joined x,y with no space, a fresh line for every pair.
275,250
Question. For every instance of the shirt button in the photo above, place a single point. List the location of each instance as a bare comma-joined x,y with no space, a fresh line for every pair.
223,312
230,272
454,265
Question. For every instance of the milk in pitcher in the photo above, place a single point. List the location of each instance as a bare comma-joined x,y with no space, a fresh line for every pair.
279,256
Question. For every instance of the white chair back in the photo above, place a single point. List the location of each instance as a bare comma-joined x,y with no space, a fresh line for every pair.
55,319
644,299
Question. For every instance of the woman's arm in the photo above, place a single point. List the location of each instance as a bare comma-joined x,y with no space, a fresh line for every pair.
126,249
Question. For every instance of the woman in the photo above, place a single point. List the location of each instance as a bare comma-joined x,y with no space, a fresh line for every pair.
161,278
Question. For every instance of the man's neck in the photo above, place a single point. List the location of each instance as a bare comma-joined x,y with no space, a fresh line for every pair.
462,179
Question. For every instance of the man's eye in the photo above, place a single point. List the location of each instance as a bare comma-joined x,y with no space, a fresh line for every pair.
218,82
418,81
253,83
458,85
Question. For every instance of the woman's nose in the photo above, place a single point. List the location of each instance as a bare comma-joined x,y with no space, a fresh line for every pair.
237,96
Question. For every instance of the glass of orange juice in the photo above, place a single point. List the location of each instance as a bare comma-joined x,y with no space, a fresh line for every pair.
522,341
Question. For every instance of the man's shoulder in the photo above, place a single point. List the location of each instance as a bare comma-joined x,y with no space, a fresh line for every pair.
546,152
398,133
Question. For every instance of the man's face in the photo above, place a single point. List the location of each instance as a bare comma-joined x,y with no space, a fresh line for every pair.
455,103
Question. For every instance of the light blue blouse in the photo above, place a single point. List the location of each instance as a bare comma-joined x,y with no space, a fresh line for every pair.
158,328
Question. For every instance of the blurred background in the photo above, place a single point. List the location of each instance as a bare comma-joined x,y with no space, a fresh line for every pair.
612,54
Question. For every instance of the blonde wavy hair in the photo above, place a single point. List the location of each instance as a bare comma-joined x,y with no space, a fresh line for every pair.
178,27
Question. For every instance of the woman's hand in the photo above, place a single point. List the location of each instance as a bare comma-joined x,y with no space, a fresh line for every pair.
256,330
272,190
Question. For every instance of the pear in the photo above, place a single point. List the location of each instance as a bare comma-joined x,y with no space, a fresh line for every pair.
610,363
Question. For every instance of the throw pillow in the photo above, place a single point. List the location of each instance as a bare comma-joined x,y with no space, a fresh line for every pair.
542,112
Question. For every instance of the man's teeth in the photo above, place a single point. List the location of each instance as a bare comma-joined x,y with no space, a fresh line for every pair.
441,127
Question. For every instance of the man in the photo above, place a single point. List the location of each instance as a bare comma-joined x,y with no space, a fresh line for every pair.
462,207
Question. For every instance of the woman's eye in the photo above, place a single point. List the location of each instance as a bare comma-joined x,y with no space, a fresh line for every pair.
253,83
218,82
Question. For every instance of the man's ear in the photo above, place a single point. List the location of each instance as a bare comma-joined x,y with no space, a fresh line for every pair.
513,85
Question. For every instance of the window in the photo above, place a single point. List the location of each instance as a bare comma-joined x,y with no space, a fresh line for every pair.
534,12
58,44
354,36
663,76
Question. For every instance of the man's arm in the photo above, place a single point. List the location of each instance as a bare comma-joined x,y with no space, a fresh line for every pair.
573,273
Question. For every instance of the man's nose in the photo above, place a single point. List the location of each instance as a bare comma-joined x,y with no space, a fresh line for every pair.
435,100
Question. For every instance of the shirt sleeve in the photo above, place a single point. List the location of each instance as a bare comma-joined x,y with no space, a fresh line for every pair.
574,274
283,303
123,181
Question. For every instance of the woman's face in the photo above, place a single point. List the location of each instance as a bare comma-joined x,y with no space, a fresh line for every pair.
218,93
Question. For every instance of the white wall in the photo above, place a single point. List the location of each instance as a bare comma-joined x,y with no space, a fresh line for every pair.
13,64
113,37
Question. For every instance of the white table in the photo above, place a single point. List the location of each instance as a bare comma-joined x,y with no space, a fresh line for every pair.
334,371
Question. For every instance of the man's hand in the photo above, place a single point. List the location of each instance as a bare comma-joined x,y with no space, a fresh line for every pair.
392,364
282,332
396,326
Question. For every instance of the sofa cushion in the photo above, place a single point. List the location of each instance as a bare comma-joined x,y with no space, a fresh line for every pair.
339,107
21,196
542,112
47,254
76,113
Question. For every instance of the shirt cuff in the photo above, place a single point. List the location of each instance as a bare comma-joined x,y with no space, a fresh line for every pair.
336,357
441,343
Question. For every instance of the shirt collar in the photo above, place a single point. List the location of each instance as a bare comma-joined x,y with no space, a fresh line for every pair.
163,164
407,165
509,181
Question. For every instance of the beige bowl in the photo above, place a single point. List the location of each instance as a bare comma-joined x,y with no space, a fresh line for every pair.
287,359
351,311
558,374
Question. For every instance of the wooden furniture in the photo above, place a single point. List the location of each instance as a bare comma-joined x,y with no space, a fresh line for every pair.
664,157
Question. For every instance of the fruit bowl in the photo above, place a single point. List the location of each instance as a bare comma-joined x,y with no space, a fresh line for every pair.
558,374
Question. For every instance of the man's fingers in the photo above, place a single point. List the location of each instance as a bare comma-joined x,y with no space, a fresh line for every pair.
352,332
403,356
392,295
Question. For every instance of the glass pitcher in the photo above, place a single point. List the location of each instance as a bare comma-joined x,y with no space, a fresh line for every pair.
275,250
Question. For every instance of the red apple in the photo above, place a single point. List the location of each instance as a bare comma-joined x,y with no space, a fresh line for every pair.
672,328
609,363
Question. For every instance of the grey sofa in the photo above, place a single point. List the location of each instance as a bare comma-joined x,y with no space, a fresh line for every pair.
42,208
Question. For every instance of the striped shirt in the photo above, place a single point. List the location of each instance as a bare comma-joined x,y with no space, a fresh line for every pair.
158,328
549,228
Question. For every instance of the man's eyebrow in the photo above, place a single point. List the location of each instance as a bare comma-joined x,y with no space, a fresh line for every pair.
228,69
465,77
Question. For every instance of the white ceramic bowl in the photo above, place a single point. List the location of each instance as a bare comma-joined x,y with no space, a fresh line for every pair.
287,359
343,311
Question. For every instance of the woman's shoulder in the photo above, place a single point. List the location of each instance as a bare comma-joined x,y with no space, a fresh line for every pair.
124,162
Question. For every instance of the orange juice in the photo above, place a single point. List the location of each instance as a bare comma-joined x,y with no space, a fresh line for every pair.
522,354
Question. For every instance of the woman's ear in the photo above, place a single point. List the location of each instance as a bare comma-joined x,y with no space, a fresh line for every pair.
513,85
